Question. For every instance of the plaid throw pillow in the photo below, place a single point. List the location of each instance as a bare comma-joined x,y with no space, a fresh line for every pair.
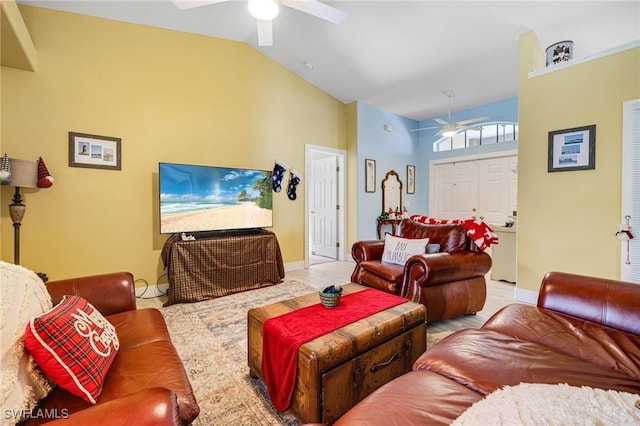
74,345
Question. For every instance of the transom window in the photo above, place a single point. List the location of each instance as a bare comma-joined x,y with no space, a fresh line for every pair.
482,134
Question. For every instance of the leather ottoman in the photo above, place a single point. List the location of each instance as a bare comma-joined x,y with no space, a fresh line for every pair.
338,369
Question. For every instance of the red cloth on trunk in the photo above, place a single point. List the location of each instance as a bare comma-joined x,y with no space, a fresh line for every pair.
283,335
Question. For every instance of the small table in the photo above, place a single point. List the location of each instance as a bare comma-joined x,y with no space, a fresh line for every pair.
337,370
393,222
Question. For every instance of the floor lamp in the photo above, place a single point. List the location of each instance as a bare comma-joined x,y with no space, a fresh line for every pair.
24,174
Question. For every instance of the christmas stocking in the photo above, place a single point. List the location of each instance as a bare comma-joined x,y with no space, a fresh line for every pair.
294,180
278,174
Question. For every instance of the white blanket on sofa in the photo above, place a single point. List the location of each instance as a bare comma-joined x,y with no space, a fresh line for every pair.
546,404
22,296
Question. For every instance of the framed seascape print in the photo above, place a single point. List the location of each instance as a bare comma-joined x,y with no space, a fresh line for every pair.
98,152
411,179
572,149
369,175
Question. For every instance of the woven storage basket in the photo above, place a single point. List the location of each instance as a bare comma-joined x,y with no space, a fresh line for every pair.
330,300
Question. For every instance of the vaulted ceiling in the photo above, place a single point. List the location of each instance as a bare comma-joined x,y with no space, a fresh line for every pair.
397,55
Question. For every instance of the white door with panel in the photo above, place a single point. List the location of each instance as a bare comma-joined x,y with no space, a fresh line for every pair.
630,249
485,188
323,207
456,190
497,188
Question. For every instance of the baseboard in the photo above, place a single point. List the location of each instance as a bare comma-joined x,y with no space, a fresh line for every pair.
526,296
155,290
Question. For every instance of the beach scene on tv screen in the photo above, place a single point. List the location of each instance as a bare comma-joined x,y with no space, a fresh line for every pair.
202,198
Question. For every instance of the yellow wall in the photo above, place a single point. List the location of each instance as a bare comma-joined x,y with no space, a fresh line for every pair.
171,97
352,176
567,220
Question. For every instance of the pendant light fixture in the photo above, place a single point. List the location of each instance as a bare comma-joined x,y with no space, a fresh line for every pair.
264,10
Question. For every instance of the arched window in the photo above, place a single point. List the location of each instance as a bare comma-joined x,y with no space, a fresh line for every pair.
481,134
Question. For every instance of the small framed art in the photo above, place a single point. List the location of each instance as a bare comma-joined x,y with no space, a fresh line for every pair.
98,152
411,179
370,175
572,149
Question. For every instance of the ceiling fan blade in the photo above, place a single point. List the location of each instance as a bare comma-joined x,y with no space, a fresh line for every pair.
265,32
190,4
471,120
441,121
425,128
317,9
469,128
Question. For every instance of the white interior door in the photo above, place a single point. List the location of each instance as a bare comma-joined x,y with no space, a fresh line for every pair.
493,190
484,187
444,197
512,177
323,207
466,189
630,251
497,188
455,190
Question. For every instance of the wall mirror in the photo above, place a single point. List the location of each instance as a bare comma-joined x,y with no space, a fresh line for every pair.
391,192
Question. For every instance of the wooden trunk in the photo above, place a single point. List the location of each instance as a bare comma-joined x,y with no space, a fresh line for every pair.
337,370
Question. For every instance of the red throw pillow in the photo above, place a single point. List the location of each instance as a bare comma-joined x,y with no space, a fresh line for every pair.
74,345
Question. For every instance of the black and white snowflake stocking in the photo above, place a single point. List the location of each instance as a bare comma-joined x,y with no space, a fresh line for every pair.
278,174
294,180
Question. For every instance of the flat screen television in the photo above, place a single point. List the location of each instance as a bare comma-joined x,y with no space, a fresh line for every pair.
205,198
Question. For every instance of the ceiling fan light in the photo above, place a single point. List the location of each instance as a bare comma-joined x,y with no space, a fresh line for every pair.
263,9
449,131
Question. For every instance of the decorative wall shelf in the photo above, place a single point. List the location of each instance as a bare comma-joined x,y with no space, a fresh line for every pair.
577,61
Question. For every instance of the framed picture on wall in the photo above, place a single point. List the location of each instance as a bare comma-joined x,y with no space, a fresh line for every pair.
572,149
411,179
369,175
98,152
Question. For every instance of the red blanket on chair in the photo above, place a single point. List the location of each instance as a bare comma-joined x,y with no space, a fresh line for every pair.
283,335
479,232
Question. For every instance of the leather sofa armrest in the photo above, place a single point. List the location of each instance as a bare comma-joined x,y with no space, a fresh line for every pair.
362,251
149,407
109,293
432,269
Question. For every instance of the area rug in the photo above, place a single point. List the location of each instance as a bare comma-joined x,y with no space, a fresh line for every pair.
211,339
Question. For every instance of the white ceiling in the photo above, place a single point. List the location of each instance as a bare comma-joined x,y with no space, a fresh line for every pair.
398,55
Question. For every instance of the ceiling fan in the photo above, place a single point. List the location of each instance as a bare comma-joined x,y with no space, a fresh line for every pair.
450,128
266,10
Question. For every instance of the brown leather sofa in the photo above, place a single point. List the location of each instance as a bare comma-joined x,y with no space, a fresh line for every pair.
584,331
146,384
449,283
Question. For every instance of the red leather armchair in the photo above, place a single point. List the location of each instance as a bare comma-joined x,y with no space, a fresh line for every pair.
449,283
